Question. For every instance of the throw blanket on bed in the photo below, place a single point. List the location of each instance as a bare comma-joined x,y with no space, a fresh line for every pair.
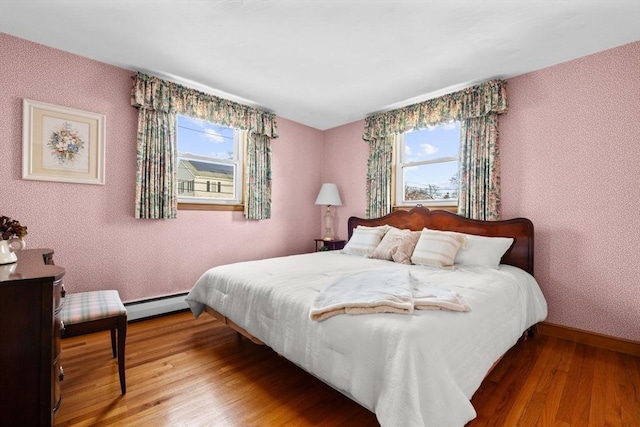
381,291
427,297
372,291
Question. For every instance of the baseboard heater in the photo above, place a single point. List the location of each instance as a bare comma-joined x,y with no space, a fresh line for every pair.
155,307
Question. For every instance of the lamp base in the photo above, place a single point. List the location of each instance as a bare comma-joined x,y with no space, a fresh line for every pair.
328,225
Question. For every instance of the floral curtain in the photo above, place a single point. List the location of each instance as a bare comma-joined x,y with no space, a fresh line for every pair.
379,167
257,201
485,99
156,194
151,94
479,196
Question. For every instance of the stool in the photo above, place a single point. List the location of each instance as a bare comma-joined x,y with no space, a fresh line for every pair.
88,312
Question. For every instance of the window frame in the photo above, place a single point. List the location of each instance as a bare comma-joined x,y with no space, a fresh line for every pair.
238,163
398,175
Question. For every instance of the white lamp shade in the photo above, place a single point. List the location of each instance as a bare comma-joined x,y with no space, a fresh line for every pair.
329,195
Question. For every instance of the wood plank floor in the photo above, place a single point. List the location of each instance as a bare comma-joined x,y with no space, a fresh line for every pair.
183,371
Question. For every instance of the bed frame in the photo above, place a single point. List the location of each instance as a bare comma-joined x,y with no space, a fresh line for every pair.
520,254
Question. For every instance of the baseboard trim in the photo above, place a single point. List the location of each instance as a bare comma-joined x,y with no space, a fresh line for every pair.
593,339
154,307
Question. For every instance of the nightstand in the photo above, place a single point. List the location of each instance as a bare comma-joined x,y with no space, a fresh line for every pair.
329,245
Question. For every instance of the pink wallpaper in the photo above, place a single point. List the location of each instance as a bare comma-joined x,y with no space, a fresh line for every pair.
92,228
345,164
570,146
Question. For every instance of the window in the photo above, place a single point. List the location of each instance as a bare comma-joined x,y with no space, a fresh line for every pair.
209,163
427,166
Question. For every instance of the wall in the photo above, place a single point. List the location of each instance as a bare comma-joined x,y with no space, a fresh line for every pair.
570,146
570,161
92,228
345,164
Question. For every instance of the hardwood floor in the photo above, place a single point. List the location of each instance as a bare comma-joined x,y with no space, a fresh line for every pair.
183,371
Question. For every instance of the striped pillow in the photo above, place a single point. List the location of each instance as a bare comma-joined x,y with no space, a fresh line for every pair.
364,240
437,248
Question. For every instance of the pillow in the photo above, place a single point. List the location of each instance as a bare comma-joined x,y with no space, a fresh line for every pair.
391,243
483,251
437,248
384,227
364,240
408,244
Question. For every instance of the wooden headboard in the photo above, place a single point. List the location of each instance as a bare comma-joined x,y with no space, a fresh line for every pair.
520,254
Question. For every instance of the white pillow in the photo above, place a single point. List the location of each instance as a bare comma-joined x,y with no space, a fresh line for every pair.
437,248
483,251
364,240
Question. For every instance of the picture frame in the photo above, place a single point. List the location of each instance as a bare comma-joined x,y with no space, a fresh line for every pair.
62,144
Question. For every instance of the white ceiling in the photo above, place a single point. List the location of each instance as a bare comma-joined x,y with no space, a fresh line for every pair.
326,63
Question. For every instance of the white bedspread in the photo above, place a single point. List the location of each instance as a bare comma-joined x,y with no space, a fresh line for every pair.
411,370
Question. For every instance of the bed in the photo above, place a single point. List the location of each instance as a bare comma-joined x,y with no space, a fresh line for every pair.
414,368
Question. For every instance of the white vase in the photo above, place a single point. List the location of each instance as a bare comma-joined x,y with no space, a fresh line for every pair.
6,271
8,248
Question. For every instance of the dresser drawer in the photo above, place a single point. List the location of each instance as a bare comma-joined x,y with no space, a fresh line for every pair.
58,293
57,375
57,337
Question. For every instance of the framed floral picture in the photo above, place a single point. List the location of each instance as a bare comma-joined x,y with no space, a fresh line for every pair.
62,144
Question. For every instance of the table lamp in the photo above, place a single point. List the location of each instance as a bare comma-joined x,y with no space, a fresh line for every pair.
328,196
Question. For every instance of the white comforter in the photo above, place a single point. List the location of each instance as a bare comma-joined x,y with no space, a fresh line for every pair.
418,369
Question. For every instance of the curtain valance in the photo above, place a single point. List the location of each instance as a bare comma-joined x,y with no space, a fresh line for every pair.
477,101
153,93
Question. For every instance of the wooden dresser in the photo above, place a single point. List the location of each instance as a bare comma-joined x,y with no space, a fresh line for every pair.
30,373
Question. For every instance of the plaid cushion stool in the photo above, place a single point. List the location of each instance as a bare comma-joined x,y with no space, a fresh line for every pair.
88,312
